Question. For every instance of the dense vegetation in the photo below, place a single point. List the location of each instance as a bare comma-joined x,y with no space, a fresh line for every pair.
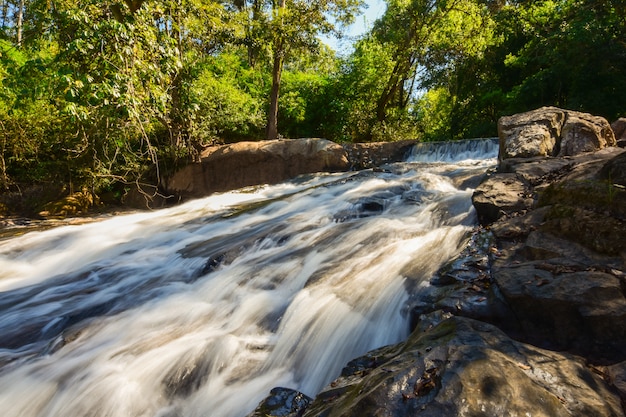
107,94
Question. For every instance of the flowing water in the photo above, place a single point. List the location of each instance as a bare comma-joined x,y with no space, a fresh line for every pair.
201,309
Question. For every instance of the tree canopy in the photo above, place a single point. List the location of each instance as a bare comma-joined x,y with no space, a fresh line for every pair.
109,95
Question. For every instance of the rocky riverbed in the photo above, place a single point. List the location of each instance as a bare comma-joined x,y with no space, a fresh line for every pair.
530,319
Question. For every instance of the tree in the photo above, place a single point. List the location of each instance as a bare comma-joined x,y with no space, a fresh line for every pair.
290,25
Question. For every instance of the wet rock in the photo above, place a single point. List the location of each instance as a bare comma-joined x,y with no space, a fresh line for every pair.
282,402
375,154
466,368
242,164
463,288
565,306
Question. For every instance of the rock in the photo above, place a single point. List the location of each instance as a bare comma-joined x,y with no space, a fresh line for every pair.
244,164
583,132
462,287
614,171
619,129
558,265
529,134
537,171
617,376
499,195
375,154
282,402
462,367
601,233
566,306
550,131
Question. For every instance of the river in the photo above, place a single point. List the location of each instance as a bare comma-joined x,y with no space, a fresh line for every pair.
203,308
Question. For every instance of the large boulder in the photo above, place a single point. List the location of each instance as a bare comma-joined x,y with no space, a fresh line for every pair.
463,367
550,131
583,132
228,167
529,134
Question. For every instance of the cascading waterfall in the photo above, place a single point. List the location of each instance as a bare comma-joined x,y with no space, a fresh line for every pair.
201,309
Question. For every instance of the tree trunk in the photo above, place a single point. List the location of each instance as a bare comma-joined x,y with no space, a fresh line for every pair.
279,58
272,122
20,22
253,47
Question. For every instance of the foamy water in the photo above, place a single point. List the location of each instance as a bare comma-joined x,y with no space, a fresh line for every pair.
201,309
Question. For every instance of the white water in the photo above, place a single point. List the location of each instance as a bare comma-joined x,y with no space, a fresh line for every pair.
200,310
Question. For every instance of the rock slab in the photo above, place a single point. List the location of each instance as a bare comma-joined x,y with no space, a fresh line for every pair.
229,167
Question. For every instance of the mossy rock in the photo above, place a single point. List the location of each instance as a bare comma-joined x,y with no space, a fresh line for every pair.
599,196
601,233
465,367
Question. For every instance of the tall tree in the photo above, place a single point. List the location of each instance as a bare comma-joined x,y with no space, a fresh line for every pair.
296,24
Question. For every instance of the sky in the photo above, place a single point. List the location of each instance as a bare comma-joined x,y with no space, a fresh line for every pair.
374,10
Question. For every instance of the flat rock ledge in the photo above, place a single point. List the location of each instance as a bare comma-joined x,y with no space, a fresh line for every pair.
530,318
243,164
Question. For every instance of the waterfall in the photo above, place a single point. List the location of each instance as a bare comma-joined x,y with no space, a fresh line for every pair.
201,309
458,151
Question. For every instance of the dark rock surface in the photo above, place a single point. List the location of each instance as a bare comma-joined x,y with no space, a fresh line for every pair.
559,264
619,129
463,367
282,402
375,154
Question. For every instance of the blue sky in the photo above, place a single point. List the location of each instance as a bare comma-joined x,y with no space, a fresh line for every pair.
375,9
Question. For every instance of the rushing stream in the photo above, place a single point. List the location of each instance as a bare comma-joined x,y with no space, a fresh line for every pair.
201,309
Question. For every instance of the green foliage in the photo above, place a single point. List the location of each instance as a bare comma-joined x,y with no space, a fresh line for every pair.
103,93
229,100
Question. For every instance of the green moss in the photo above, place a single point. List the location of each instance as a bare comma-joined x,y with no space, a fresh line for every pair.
599,196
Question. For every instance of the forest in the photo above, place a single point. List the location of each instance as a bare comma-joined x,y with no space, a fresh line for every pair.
105,95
